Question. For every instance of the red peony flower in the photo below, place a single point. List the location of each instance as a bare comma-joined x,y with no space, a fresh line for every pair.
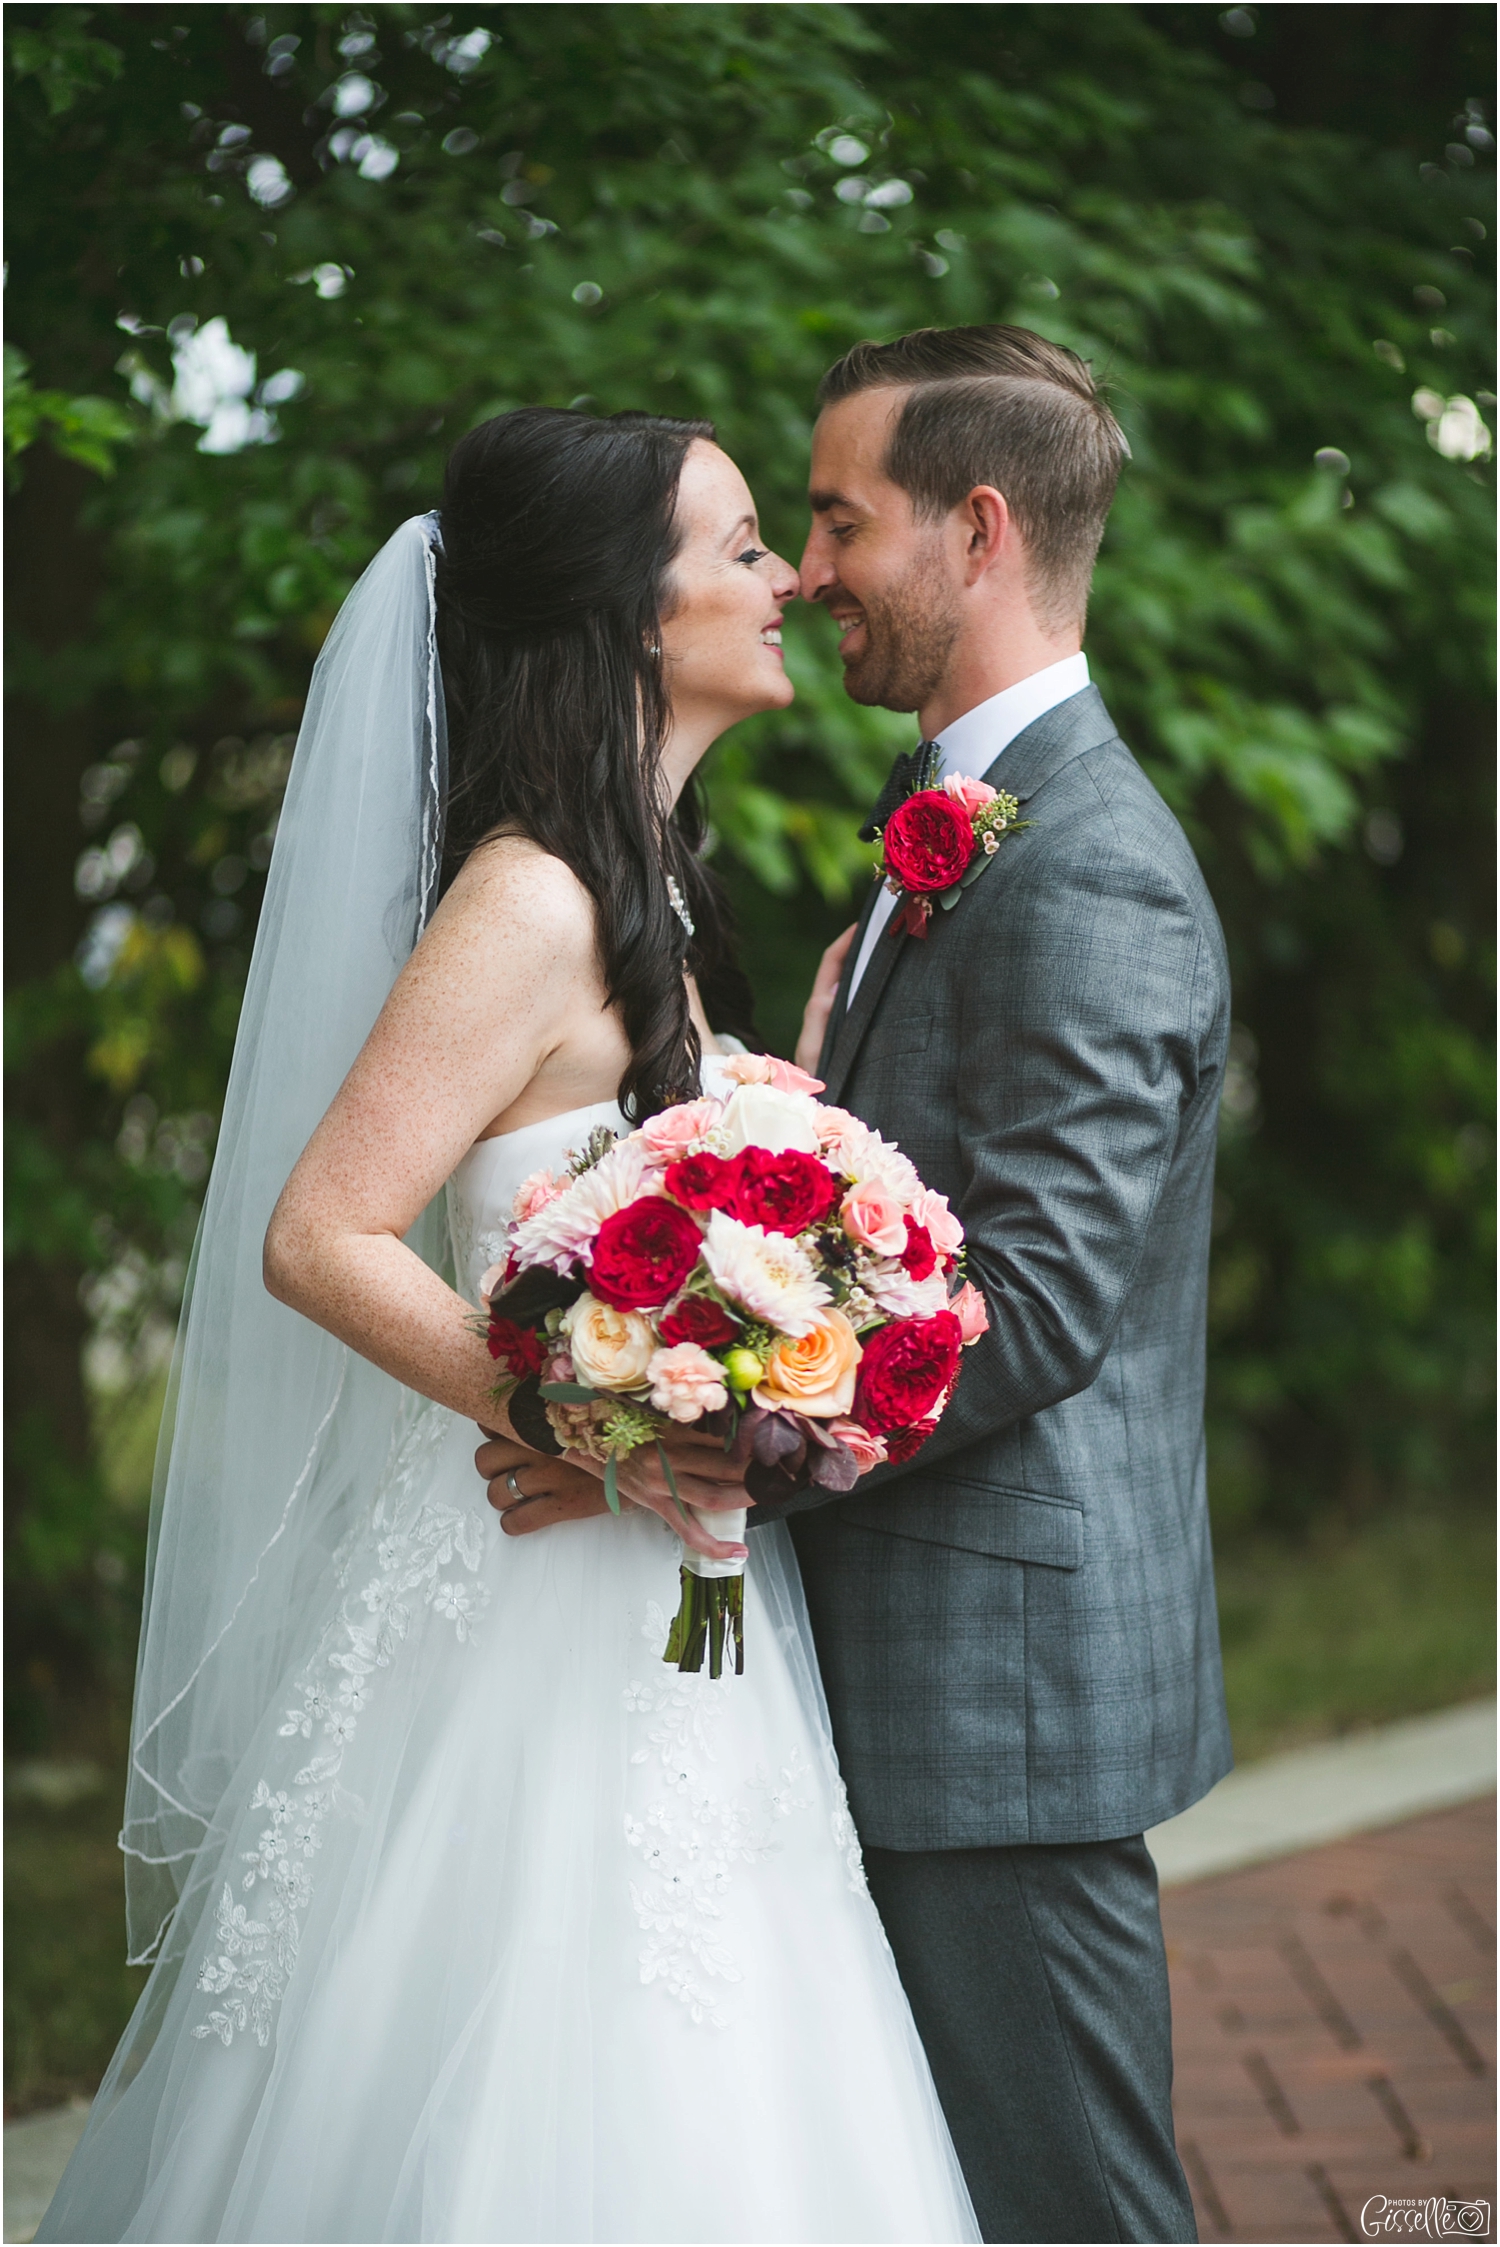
643,1254
698,1318
905,1369
919,1256
929,842
702,1181
784,1193
906,1442
520,1347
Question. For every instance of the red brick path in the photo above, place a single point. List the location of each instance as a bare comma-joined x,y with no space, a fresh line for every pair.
1334,2030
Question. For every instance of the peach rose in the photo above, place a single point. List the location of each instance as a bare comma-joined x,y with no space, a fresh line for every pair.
943,1229
610,1349
971,1311
972,795
815,1373
875,1219
764,1068
686,1382
869,1451
680,1131
535,1192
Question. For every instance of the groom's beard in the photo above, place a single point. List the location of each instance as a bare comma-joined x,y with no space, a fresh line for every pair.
909,634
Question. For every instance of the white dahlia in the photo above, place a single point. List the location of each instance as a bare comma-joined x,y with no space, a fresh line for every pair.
902,1297
563,1231
861,1154
767,1274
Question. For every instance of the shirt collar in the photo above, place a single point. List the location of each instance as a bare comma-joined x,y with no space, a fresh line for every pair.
973,742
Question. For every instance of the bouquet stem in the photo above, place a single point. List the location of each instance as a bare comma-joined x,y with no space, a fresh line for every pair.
710,1619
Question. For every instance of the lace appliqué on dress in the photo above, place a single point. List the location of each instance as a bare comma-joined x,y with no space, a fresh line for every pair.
688,1833
417,1539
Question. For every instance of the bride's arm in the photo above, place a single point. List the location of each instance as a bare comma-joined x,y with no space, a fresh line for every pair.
475,1015
505,982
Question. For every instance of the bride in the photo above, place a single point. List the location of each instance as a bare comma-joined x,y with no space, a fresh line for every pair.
470,1919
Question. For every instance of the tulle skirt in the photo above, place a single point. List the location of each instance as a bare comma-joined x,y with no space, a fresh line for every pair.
511,1933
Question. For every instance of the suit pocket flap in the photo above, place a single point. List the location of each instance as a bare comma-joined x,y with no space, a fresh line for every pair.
1002,1524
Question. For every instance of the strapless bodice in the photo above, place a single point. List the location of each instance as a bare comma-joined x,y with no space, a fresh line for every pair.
483,1187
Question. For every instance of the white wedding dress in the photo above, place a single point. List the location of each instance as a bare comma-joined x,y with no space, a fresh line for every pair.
518,1934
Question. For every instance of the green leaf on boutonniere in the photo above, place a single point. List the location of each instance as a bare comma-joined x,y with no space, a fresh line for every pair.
567,1392
978,863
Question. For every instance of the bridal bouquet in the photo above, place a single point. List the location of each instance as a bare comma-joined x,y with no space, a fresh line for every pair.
763,1267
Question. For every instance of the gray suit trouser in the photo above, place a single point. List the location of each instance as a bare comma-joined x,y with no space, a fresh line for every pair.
1038,1981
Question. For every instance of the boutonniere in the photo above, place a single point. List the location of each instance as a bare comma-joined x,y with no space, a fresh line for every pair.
938,842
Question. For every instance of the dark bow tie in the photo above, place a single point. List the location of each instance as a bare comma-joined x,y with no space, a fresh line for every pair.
913,770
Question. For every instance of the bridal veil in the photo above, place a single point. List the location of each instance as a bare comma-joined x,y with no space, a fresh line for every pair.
272,1427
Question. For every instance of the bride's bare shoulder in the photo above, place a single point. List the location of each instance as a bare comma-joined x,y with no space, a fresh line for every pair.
510,889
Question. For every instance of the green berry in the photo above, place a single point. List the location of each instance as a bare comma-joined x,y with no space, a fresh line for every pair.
743,1369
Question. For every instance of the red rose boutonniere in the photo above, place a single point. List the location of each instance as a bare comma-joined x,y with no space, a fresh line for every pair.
938,842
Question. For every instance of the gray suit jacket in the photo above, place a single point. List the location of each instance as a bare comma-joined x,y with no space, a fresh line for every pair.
1017,1628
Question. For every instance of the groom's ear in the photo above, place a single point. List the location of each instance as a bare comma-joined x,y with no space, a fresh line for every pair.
987,529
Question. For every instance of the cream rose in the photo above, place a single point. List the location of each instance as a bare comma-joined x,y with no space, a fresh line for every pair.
758,1115
610,1349
815,1373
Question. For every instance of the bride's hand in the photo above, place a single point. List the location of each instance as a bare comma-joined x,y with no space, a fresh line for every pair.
820,1005
530,1491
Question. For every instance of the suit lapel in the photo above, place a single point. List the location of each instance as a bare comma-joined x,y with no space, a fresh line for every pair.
840,1005
1022,768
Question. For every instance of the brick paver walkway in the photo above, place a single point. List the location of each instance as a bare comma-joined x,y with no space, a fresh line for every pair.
1334,2022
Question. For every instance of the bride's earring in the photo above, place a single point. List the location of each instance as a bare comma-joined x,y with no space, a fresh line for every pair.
654,651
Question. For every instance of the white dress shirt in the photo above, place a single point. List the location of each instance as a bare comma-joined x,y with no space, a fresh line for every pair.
971,745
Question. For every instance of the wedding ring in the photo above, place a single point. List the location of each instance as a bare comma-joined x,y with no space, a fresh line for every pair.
513,1486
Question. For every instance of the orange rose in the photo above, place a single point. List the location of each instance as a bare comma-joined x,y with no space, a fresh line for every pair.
815,1373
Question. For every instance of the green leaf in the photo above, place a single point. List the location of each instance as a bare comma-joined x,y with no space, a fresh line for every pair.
567,1392
666,1468
612,1483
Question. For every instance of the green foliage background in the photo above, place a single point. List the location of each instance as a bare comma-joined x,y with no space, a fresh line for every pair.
1268,235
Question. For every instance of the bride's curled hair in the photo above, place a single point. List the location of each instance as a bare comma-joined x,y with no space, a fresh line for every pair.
553,580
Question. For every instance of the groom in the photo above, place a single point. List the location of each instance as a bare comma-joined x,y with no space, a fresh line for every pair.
1017,1626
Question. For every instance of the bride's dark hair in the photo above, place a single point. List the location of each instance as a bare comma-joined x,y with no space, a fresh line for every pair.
553,580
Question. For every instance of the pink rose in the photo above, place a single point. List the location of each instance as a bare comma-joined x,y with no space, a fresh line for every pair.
973,795
875,1219
833,1124
680,1131
534,1193
686,1382
492,1282
969,1308
764,1068
869,1451
931,1212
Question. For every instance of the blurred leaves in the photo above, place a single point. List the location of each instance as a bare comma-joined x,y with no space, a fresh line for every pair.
408,221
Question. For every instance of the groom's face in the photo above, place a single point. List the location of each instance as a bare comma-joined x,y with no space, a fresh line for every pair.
884,577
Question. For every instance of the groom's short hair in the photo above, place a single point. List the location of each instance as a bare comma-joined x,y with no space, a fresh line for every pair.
1000,406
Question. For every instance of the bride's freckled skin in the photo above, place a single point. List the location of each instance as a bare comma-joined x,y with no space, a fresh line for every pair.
500,1019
